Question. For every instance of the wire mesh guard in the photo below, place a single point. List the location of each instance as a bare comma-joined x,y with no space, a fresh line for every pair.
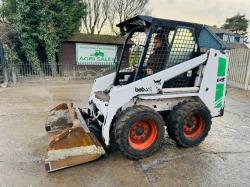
168,46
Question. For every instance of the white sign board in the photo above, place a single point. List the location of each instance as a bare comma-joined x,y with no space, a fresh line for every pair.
95,54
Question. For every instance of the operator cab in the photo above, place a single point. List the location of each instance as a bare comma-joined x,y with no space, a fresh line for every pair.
153,45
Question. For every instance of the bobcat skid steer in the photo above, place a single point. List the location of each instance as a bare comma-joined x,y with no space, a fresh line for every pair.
162,80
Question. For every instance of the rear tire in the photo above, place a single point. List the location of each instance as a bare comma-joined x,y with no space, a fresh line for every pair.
139,132
189,123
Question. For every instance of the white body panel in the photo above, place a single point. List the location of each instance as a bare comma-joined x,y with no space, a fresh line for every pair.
146,92
102,83
207,91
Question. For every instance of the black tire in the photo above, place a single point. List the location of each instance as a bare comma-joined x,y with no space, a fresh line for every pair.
189,123
113,146
149,130
97,131
170,130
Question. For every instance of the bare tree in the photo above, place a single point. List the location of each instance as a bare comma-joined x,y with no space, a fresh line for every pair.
122,10
98,13
104,12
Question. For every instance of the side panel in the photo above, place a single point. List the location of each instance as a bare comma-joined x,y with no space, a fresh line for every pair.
102,84
161,104
213,85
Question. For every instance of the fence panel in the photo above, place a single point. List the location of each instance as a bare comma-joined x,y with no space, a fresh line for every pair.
24,72
239,68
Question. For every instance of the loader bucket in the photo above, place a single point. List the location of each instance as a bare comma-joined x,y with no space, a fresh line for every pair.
70,141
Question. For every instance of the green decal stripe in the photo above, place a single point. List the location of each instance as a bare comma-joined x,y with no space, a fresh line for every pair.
222,64
220,87
219,95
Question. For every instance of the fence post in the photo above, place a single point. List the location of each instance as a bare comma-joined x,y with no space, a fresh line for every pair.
74,72
6,79
247,71
14,77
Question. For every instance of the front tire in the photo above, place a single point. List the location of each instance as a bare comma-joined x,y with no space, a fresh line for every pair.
139,132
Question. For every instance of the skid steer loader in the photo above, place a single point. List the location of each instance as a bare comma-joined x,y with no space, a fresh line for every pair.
162,80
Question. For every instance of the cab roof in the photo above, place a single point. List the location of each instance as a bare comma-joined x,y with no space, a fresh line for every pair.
148,21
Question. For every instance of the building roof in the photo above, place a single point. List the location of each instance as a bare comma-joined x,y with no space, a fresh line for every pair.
225,45
94,38
235,45
217,30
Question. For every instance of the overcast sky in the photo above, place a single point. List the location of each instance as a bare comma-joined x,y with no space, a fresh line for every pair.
211,12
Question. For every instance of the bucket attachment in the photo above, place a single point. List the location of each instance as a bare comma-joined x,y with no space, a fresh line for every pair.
70,141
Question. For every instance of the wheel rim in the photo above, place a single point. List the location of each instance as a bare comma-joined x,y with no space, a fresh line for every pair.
194,127
142,134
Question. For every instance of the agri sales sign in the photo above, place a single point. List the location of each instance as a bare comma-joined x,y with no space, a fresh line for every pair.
95,54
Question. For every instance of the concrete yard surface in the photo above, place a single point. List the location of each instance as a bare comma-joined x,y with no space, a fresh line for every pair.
223,159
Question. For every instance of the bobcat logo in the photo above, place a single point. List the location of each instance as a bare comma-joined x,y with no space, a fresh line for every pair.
157,82
143,89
